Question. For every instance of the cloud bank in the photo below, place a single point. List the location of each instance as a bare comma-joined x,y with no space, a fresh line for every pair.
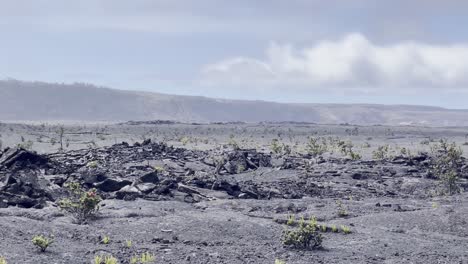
352,63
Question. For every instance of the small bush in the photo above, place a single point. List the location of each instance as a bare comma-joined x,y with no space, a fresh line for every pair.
3,260
41,242
316,148
280,149
82,204
334,229
355,156
184,140
346,229
304,237
291,220
447,163
143,259
105,240
92,164
275,146
26,145
128,243
381,152
278,261
105,260
324,228
342,212
449,181
346,148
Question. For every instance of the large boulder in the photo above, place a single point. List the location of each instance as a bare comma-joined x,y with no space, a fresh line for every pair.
27,189
22,158
112,185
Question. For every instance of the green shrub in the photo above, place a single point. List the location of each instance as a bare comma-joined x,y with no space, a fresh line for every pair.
313,222
105,240
291,220
143,259
92,164
304,237
184,140
346,148
449,181
82,204
278,261
355,156
334,229
26,145
342,212
41,242
3,260
446,164
275,146
316,148
105,260
346,229
128,243
324,228
381,152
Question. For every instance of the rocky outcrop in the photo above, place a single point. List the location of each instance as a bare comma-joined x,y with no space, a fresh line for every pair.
156,171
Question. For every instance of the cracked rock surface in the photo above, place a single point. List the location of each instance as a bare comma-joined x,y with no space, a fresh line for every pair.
228,205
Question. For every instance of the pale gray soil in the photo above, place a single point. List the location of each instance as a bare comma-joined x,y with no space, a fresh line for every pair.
191,214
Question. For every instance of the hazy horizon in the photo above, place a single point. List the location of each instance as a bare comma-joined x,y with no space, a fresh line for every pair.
386,52
221,98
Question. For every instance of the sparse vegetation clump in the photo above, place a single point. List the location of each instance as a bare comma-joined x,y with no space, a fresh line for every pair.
346,229
128,243
105,240
233,143
105,260
291,220
334,229
92,164
304,237
41,242
144,258
316,146
447,163
82,204
342,212
346,148
275,146
280,148
323,228
25,144
184,140
3,260
381,153
405,152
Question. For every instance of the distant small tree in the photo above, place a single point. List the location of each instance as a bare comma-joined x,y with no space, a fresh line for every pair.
61,133
447,164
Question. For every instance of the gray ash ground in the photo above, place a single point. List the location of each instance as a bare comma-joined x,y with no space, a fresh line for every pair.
204,202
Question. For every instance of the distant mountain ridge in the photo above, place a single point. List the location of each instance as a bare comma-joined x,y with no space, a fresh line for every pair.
39,101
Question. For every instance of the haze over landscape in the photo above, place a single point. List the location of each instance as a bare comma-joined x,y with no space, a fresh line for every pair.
343,52
233,131
36,101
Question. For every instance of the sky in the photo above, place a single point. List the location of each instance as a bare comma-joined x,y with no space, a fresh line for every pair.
304,51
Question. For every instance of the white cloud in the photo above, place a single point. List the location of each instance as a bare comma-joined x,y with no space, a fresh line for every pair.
352,63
